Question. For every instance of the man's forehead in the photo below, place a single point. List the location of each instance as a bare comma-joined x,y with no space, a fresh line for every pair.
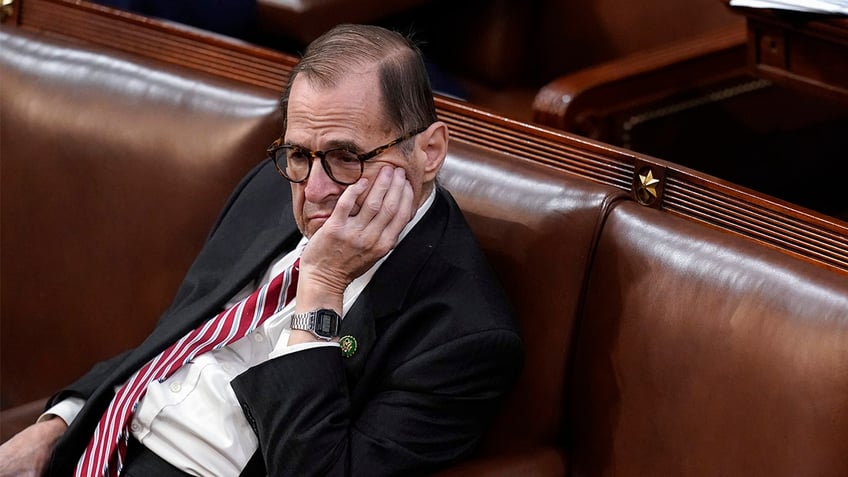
364,78
353,104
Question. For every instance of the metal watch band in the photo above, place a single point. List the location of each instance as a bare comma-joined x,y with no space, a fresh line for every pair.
303,321
323,324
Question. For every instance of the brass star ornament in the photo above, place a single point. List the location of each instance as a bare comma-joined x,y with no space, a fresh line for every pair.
647,187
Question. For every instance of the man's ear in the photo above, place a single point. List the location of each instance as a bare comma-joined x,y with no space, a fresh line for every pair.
433,143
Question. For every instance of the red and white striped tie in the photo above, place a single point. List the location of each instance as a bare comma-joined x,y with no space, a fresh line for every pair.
104,455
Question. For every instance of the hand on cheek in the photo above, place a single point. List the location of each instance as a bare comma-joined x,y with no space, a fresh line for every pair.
364,226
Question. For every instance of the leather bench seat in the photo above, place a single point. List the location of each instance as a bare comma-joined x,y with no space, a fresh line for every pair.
538,227
655,344
113,171
147,156
700,353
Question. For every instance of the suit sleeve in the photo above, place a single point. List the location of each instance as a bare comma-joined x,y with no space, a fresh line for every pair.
86,385
426,412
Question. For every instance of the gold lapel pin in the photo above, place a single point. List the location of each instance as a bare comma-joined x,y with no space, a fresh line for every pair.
348,345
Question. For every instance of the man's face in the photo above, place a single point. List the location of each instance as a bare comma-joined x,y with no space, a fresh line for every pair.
347,115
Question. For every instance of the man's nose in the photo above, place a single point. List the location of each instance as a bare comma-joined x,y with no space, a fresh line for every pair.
319,185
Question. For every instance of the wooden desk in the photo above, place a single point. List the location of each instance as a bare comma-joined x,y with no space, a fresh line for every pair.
799,50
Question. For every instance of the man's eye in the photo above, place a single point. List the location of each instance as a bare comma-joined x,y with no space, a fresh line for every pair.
345,158
297,155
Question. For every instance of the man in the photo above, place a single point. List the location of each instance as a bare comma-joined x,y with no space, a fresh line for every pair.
382,263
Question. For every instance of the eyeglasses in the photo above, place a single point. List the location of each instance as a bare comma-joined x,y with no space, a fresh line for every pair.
342,165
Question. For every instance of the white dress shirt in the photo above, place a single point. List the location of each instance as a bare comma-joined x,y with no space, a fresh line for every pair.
193,419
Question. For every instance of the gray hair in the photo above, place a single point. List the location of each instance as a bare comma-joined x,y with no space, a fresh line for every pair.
406,94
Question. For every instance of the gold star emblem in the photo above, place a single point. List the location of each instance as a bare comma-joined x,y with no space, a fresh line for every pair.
647,186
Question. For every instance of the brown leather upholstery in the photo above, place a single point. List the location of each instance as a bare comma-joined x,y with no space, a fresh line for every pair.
654,345
704,354
526,215
113,170
538,227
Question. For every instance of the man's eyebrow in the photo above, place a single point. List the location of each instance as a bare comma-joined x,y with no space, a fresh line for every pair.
342,144
331,144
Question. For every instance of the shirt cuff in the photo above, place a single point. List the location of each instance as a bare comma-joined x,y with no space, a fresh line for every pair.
66,409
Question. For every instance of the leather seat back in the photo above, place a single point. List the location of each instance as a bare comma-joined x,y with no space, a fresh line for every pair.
700,353
113,170
538,227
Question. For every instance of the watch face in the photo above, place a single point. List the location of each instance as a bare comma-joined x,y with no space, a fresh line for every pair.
327,324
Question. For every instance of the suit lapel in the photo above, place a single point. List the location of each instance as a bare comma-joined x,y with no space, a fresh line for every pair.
358,326
387,291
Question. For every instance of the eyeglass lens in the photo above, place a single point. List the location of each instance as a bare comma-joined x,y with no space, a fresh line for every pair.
341,165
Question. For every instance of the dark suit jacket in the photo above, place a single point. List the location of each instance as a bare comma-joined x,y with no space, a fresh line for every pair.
437,349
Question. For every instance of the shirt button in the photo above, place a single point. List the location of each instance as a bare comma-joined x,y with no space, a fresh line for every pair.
135,427
258,337
175,387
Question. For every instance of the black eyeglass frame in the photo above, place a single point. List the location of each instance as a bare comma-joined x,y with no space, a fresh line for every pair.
277,145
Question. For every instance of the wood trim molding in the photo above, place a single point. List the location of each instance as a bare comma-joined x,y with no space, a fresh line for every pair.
687,193
158,40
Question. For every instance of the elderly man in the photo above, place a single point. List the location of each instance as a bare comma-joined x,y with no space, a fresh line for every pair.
351,327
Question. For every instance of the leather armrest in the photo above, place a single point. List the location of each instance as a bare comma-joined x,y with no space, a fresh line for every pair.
15,419
540,462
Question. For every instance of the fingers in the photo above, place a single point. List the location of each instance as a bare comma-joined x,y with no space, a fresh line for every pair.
398,209
355,236
346,205
387,207
379,201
